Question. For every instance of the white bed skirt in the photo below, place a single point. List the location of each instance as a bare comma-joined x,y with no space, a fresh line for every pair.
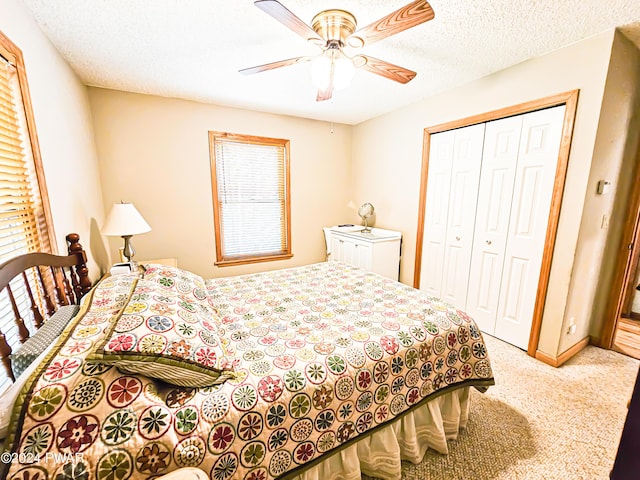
408,438
380,453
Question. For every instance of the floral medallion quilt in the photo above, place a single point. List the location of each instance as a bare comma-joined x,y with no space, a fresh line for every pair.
315,357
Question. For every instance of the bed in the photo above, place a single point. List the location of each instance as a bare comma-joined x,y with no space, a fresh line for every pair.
320,371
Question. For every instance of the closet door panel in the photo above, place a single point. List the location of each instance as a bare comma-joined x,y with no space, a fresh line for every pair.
534,179
488,270
436,212
516,270
463,197
499,161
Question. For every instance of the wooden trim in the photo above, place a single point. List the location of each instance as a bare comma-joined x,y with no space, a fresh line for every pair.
422,209
254,139
564,356
47,243
626,338
244,261
221,261
525,107
7,48
214,190
572,351
287,183
570,100
626,259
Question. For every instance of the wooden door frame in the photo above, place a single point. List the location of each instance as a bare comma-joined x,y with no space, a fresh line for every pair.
624,275
570,100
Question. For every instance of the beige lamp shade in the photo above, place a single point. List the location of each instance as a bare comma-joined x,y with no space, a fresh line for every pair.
124,219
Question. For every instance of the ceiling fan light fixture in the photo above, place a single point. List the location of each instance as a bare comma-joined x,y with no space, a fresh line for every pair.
355,42
321,72
332,63
333,31
343,72
334,25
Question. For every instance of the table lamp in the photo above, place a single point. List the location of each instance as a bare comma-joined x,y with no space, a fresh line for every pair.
125,221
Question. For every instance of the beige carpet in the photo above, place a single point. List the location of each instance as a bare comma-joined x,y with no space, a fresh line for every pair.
539,422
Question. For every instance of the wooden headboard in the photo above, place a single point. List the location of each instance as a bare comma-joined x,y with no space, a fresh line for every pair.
50,281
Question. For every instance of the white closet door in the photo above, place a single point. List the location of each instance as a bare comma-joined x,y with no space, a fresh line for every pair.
436,211
463,197
500,157
534,179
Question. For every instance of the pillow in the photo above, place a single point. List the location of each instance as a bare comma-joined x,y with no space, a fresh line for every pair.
167,332
45,336
9,396
175,279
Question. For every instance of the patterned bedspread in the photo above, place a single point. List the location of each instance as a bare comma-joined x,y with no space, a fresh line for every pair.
323,354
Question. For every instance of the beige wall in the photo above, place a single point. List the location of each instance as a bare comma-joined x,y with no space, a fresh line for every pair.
387,154
615,159
154,152
63,124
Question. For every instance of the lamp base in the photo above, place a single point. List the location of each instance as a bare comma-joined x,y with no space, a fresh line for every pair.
128,250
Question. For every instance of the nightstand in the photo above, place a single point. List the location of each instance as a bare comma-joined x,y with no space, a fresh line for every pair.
168,262
376,251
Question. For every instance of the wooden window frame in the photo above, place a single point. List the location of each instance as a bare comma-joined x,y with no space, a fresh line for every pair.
221,260
28,228
13,55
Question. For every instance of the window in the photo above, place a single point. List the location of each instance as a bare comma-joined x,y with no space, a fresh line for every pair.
24,210
250,179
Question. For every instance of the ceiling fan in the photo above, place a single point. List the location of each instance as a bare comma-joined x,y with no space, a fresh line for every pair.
334,31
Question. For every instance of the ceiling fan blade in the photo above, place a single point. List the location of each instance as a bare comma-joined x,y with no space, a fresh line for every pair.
386,69
410,15
287,18
271,66
324,94
327,93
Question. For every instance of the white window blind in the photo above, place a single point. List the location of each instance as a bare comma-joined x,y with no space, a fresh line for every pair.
18,222
23,223
251,198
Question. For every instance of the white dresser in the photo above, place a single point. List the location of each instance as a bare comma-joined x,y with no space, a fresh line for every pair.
377,251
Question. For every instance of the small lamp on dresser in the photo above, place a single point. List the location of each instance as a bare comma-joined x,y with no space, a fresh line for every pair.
125,221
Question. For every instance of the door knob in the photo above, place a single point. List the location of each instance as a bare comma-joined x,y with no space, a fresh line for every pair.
457,239
488,242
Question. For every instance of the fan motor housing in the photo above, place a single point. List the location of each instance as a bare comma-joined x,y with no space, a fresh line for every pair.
334,25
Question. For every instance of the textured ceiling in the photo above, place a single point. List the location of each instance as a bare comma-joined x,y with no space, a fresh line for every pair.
193,49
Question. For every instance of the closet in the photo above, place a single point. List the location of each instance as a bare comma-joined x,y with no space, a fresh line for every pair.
489,189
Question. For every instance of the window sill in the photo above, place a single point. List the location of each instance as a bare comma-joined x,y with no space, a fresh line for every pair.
228,262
